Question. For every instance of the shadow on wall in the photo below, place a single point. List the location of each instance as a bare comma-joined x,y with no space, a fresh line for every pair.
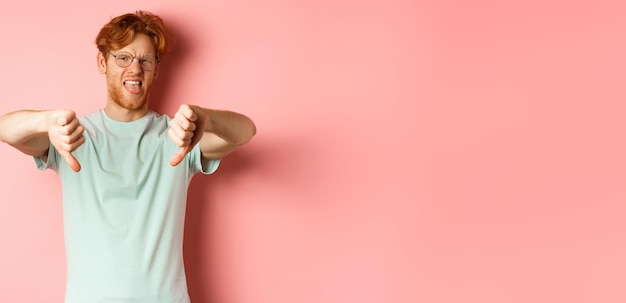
276,166
197,240
169,71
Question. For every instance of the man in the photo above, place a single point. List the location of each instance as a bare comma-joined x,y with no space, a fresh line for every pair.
125,170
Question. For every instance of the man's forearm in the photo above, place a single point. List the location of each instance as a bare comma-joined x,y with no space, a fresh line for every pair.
233,127
26,130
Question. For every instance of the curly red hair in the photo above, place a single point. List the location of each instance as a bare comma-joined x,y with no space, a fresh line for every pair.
121,31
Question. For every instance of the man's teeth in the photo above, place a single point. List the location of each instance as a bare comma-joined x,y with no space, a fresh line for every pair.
132,82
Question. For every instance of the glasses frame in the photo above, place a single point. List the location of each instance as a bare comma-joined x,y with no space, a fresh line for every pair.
141,61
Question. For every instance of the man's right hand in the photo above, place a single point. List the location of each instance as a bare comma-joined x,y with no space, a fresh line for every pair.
66,135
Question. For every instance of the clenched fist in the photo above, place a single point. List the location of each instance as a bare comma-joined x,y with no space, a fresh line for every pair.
66,135
186,129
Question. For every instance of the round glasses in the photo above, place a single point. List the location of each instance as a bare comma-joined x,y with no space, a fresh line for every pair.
124,59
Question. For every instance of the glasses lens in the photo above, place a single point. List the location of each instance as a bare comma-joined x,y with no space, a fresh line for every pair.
123,59
147,63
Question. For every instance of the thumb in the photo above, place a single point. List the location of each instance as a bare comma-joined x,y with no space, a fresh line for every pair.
71,161
179,156
63,117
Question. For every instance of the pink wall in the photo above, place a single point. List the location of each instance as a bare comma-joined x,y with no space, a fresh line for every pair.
408,151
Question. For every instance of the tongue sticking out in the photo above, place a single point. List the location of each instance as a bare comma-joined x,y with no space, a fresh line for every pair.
134,87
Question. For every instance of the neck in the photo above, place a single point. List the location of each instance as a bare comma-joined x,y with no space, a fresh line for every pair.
125,115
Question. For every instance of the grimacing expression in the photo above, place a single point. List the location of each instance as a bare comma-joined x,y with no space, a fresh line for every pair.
128,87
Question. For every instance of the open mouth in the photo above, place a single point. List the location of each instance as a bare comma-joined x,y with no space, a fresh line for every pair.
133,86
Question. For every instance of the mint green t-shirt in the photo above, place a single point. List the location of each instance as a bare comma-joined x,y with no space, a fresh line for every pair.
124,211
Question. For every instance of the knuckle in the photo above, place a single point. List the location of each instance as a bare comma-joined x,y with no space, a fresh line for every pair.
190,126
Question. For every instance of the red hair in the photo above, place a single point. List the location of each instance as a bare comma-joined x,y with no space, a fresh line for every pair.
121,31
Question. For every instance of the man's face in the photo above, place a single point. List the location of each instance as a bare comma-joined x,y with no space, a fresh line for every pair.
128,87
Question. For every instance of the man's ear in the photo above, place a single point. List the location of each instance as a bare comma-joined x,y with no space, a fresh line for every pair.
102,63
156,71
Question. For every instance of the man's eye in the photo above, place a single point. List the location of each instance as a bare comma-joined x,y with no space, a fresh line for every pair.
123,57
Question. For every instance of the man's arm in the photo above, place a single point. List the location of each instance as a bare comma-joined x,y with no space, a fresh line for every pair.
27,131
218,132
32,132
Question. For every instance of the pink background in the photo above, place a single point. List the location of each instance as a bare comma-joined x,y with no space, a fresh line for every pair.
408,151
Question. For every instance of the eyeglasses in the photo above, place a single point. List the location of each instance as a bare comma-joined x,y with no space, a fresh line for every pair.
124,59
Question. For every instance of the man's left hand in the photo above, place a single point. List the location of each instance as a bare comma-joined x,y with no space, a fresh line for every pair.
186,129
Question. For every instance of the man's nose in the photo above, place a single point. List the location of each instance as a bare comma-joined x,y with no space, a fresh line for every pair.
135,65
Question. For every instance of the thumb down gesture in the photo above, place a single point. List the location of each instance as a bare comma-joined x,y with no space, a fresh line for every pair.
66,135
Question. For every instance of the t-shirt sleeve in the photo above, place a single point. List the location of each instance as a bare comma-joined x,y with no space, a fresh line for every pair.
200,164
50,162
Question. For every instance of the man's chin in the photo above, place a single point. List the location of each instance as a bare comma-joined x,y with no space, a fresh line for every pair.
132,104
